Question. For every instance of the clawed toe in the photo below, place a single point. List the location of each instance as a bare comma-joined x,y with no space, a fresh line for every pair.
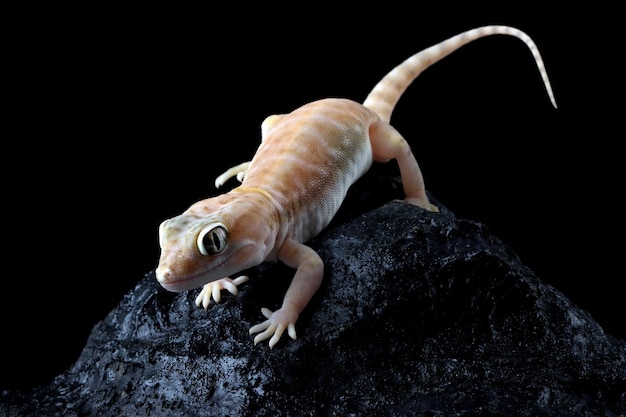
214,289
274,327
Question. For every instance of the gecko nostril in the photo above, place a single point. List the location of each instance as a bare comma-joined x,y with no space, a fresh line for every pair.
163,275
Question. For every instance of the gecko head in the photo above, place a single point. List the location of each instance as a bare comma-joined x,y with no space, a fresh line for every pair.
196,250
192,251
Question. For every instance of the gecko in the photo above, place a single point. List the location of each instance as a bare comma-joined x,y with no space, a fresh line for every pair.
294,185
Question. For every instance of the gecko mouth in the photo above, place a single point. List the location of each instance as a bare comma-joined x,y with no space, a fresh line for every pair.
171,282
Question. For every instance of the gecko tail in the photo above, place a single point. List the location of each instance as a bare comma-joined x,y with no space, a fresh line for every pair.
385,95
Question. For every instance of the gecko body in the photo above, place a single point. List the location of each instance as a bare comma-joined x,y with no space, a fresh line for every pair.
293,187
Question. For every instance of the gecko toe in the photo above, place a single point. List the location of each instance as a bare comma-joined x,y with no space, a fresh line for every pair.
214,290
274,327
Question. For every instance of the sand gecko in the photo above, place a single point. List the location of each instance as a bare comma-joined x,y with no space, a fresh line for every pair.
293,187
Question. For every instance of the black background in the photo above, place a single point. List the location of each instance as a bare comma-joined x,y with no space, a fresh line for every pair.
119,119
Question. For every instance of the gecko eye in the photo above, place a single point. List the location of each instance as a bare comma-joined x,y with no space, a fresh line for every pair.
212,239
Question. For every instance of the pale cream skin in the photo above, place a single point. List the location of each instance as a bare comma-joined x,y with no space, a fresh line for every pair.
293,187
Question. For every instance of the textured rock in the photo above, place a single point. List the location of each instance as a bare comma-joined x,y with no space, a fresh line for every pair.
419,314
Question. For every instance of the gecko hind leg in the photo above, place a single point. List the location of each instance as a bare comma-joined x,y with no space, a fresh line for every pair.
388,144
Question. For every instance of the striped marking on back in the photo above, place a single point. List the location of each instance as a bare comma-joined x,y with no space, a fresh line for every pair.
310,158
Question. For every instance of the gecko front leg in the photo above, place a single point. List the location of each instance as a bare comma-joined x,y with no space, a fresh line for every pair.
309,272
239,170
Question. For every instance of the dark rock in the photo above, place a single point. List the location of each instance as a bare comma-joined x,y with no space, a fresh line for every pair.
419,314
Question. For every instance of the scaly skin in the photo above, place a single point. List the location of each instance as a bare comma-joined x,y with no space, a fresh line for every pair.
293,187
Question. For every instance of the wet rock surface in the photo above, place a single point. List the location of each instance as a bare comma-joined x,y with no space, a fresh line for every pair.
419,314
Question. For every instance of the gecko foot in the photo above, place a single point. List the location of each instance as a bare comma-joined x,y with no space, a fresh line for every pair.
275,326
425,204
214,289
